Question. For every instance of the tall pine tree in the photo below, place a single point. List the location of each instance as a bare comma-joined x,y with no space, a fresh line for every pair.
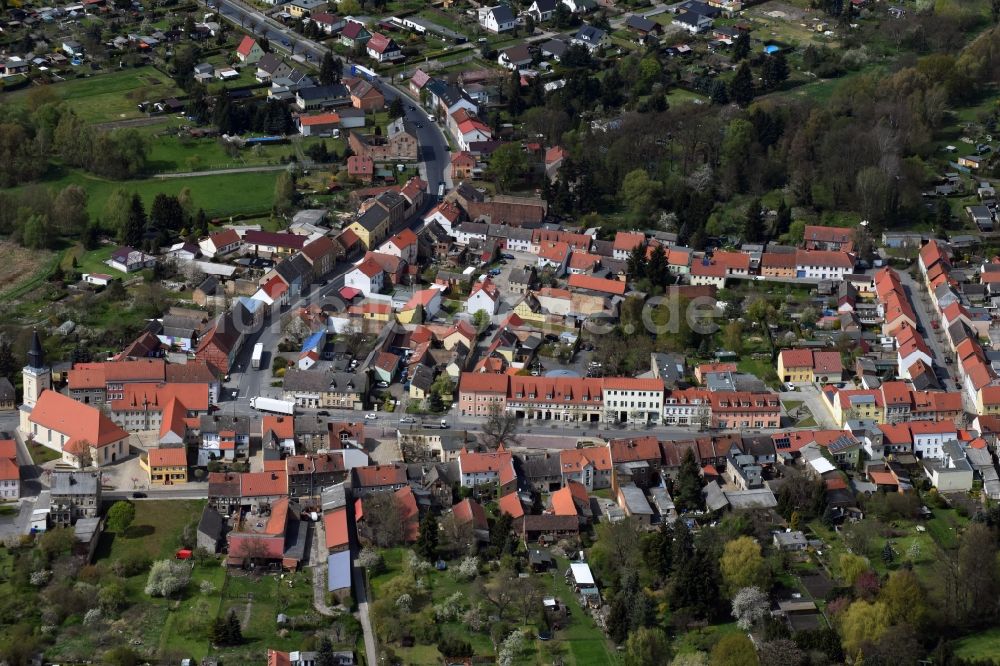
741,87
687,487
135,223
427,541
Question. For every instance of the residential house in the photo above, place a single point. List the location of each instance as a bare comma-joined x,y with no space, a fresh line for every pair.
128,260
541,10
834,239
515,57
807,366
167,466
484,296
498,19
249,51
73,495
382,49
590,37
354,34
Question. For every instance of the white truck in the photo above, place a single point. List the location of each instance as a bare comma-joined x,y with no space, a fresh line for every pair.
273,405
258,353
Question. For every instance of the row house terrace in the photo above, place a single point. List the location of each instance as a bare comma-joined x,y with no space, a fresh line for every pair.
556,399
738,409
687,407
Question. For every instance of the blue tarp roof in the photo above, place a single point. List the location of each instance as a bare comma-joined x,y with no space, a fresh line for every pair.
338,571
313,341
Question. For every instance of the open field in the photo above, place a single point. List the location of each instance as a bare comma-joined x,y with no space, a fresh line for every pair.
21,268
220,195
110,96
982,646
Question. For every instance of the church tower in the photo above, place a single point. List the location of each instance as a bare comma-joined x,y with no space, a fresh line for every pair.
36,376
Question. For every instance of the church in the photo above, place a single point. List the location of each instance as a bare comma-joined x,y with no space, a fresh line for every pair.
84,435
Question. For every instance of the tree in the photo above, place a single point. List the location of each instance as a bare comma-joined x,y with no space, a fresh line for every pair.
783,652
457,538
637,263
500,590
783,221
775,70
719,94
167,578
499,428
135,223
36,234
383,520
120,516
481,319
330,70
742,564
427,541
515,103
646,646
508,163
734,650
741,45
501,540
325,655
904,598
396,109
750,606
851,566
69,210
284,191
640,193
753,227
687,486
863,622
741,87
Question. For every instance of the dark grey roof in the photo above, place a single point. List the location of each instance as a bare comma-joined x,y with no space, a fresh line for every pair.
638,22
325,382
211,524
6,390
546,5
555,47
502,14
520,276
209,285
589,34
540,466
400,125
373,218
74,483
422,377
333,91
217,422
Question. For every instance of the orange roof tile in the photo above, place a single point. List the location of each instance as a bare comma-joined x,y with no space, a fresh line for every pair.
75,420
335,525
591,283
511,505
173,457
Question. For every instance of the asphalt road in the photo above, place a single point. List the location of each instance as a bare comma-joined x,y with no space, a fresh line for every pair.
926,314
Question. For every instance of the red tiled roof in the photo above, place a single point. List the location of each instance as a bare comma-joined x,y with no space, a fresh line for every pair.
319,119
409,513
591,283
562,502
335,524
478,382
511,505
283,427
246,46
374,476
470,511
9,471
79,422
634,450
262,484
828,234
173,457
628,240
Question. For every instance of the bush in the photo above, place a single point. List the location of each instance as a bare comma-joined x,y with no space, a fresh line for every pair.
167,578
130,565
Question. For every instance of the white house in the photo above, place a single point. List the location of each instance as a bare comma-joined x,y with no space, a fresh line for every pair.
367,277
403,245
580,6
498,19
128,260
221,243
823,264
484,296
542,10
929,437
591,37
515,57
693,22
478,469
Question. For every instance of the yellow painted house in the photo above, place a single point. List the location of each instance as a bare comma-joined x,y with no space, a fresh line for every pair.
988,400
856,404
167,466
798,366
529,310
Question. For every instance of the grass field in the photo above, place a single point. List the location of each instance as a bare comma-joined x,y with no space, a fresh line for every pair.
110,96
23,269
982,646
220,195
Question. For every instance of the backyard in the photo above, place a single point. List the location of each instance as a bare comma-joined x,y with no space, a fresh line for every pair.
581,642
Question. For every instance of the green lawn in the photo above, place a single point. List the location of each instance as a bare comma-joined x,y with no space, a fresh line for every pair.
42,454
90,261
982,646
111,96
155,532
220,195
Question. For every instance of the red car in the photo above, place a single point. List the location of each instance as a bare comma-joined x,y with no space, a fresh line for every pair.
935,324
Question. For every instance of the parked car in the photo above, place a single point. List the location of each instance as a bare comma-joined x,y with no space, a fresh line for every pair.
508,256
371,416
408,419
383,385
